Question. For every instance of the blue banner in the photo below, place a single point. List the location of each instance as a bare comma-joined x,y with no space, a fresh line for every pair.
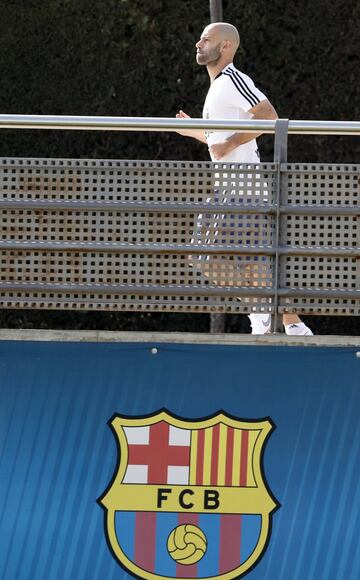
59,453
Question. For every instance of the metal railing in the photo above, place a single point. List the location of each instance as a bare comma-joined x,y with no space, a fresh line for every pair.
98,123
210,237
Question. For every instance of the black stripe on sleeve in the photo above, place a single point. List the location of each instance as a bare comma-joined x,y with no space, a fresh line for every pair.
242,87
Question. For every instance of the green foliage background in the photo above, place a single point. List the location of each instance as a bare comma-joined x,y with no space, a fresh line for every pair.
136,58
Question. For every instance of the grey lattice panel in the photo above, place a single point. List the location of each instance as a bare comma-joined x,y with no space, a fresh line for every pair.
154,235
321,186
95,252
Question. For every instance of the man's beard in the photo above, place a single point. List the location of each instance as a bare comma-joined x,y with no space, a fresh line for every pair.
211,57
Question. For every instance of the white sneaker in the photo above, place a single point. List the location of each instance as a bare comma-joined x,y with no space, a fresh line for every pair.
260,323
298,329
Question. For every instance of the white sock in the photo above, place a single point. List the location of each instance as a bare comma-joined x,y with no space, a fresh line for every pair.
260,322
298,329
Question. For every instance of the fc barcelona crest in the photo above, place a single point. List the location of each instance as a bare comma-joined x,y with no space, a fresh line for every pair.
188,499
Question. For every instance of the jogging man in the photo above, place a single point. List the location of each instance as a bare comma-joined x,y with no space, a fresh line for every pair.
233,95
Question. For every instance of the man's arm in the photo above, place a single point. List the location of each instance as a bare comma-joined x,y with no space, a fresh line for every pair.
198,134
263,111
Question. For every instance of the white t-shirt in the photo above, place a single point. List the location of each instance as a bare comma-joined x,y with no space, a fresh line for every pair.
230,96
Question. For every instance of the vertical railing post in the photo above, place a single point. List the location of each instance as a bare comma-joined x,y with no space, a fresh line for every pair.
217,321
215,10
280,157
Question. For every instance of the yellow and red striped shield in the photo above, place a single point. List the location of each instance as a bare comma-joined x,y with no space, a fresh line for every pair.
222,453
189,498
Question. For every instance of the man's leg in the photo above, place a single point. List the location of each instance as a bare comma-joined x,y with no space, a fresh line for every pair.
294,326
244,271
261,324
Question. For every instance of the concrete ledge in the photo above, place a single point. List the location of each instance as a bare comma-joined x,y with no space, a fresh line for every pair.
176,337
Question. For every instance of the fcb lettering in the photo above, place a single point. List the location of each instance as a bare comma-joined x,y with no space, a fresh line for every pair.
210,498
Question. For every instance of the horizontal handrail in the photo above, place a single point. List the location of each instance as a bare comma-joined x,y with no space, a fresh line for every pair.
97,123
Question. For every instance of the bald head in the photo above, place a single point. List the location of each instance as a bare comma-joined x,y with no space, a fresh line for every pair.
226,32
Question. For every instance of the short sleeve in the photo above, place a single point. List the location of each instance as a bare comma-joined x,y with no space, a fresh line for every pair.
242,90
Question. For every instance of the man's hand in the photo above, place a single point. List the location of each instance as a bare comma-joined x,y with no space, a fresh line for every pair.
195,133
220,149
182,115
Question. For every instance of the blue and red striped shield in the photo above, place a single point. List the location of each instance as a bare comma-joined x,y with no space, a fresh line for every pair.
188,499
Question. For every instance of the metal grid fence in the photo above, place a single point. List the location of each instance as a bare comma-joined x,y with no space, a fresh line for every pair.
179,236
